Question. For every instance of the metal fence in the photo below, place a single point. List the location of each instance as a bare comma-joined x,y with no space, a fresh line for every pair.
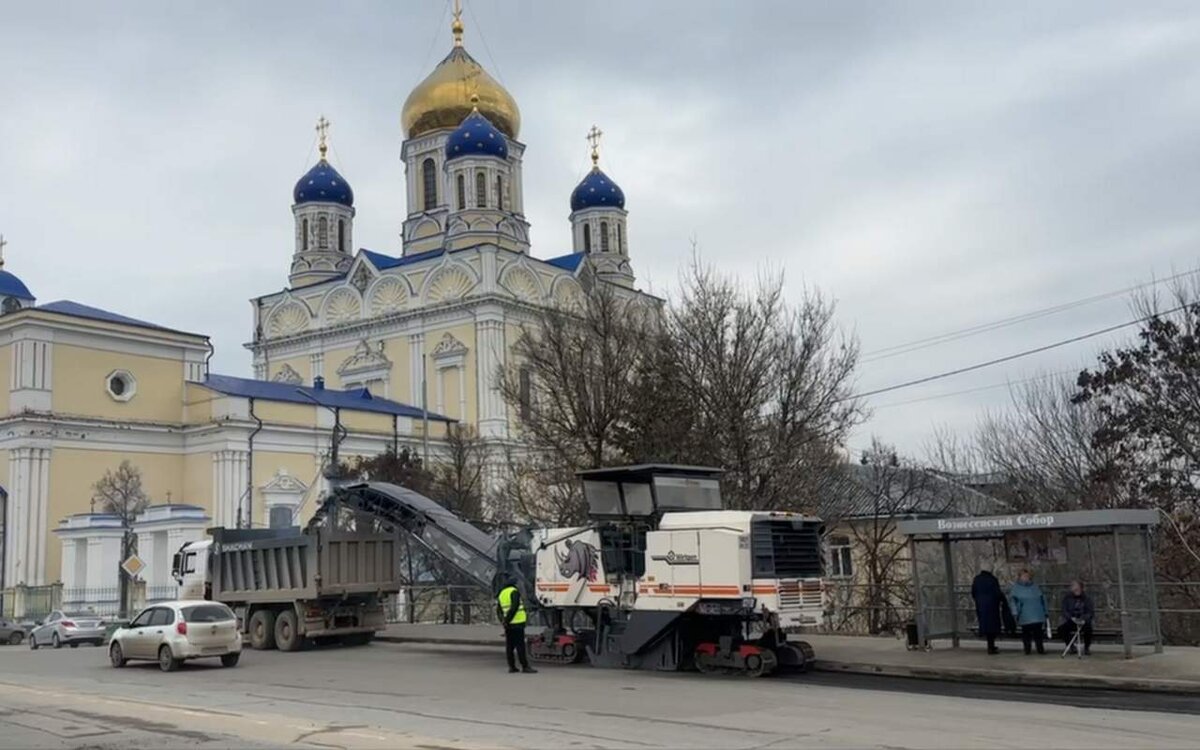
462,605
106,602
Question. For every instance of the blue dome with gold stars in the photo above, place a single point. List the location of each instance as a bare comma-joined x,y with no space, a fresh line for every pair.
476,136
11,286
597,191
323,184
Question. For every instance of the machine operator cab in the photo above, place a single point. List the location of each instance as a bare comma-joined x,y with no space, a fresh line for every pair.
647,491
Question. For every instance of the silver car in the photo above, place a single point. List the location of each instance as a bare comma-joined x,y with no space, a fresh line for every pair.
172,632
12,632
68,629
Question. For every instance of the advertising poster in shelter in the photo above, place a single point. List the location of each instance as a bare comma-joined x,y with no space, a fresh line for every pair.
1036,546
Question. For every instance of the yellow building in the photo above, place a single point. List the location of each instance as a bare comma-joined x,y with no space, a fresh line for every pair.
436,324
89,389
431,327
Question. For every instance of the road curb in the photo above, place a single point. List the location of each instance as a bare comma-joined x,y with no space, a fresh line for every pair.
941,674
1000,677
438,641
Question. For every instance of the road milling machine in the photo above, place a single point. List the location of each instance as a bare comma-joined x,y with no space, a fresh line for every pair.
662,576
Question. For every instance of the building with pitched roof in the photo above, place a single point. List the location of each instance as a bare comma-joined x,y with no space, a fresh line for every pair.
435,324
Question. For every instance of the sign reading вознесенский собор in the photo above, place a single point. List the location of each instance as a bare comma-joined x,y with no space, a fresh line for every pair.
1069,519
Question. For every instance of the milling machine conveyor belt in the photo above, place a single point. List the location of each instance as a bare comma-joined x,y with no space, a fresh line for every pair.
469,549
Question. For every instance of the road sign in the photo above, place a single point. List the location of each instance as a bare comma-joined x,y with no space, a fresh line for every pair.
133,565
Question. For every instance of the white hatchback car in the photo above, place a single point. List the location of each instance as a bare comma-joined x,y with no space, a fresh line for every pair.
172,632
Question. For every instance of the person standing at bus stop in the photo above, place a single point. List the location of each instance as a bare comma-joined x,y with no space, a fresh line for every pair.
990,607
511,612
1029,608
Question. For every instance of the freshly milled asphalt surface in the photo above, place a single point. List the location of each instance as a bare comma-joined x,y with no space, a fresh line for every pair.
393,695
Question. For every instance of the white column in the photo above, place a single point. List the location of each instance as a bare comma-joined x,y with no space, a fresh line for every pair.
462,391
68,564
229,482
29,480
96,577
145,550
318,364
416,362
489,358
439,401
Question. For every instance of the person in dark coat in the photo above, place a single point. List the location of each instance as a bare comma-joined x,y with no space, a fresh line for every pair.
1078,612
989,605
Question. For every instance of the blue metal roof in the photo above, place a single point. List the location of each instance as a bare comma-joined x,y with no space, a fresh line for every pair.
323,184
358,399
11,286
595,191
566,262
76,310
476,136
384,262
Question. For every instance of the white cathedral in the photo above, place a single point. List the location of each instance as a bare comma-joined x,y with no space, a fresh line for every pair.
434,326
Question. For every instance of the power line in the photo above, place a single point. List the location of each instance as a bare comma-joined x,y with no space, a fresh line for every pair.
924,343
937,396
1010,357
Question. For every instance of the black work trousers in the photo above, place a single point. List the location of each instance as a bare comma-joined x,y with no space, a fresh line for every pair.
514,646
1034,634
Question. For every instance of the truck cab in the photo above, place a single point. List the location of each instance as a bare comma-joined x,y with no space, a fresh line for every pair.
189,568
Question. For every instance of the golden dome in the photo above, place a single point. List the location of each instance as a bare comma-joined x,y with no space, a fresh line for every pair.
444,98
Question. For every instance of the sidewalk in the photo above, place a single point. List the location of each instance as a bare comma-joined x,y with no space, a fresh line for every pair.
1176,670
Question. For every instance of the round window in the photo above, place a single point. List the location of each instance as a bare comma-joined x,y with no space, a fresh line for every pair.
120,385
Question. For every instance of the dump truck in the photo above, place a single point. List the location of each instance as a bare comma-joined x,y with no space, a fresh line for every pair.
327,581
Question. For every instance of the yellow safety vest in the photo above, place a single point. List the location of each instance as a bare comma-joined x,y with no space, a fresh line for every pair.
505,598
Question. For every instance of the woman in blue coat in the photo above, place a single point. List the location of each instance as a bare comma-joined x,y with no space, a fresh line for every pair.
1029,608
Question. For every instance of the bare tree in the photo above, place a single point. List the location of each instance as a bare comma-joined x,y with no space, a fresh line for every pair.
458,476
770,385
120,493
883,490
1042,449
573,383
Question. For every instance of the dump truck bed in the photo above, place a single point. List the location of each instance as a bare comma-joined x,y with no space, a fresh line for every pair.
274,565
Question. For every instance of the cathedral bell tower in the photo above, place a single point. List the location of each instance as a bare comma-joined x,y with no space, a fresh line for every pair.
598,221
459,100
323,207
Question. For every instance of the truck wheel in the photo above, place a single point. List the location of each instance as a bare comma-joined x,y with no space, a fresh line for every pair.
262,630
287,634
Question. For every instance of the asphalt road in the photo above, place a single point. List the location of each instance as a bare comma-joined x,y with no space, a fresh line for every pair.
394,696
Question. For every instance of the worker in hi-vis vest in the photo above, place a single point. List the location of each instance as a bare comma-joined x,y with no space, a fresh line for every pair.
511,612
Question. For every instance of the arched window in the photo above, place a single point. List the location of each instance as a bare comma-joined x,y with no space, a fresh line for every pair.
429,182
462,192
341,235
587,238
604,236
620,247
500,192
480,190
322,233
304,235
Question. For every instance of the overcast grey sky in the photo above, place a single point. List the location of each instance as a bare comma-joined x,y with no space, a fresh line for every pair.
932,166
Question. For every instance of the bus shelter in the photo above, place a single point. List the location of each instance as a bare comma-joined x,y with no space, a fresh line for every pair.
1110,551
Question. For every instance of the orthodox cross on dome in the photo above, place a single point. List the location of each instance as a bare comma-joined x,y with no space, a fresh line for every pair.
593,138
3,242
456,26
322,135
